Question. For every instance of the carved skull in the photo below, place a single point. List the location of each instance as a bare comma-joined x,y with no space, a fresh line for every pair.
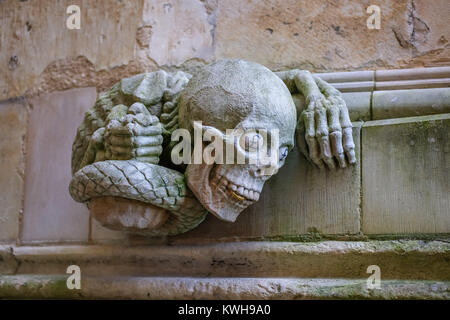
236,94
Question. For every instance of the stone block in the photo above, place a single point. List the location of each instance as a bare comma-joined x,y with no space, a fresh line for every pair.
34,34
300,199
332,35
179,30
406,175
50,213
13,117
410,103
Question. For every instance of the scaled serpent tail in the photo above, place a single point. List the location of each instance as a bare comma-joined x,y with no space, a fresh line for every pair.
149,183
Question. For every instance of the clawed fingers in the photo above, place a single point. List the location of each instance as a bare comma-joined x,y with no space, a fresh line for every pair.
347,134
325,149
310,137
337,149
335,132
349,145
135,135
328,133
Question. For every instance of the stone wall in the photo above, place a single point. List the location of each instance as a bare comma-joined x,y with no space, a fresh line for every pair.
120,38
50,75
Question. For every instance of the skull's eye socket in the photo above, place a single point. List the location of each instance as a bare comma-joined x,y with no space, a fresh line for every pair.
252,142
283,153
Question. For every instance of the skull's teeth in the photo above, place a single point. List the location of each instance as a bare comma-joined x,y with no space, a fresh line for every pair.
223,183
248,194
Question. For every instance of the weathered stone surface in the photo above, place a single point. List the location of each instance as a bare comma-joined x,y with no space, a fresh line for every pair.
13,117
8,264
34,34
405,175
409,103
299,199
332,35
127,214
406,259
50,214
100,234
54,286
174,31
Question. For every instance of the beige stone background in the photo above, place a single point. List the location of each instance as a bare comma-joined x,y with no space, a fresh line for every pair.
49,75
120,38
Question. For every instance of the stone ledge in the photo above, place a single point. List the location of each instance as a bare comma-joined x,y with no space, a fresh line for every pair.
54,286
416,78
8,263
408,103
388,104
416,260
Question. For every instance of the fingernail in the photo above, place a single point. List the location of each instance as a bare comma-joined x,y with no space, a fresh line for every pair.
341,159
352,157
330,163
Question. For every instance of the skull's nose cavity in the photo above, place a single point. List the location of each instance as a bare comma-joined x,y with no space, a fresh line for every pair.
263,171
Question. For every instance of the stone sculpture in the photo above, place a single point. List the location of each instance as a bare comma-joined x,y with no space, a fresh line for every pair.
121,158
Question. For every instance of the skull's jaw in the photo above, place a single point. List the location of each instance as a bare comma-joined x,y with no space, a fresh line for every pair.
214,194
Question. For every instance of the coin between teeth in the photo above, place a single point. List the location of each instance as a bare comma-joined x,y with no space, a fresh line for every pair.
237,196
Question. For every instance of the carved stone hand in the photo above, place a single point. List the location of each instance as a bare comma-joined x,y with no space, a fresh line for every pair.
325,123
133,134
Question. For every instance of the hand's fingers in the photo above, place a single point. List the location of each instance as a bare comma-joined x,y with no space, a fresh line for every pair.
314,151
300,139
347,135
325,149
169,111
120,151
139,141
322,136
154,159
136,130
141,119
144,141
349,145
310,137
147,151
98,137
146,131
138,108
336,134
125,153
113,156
337,149
118,140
